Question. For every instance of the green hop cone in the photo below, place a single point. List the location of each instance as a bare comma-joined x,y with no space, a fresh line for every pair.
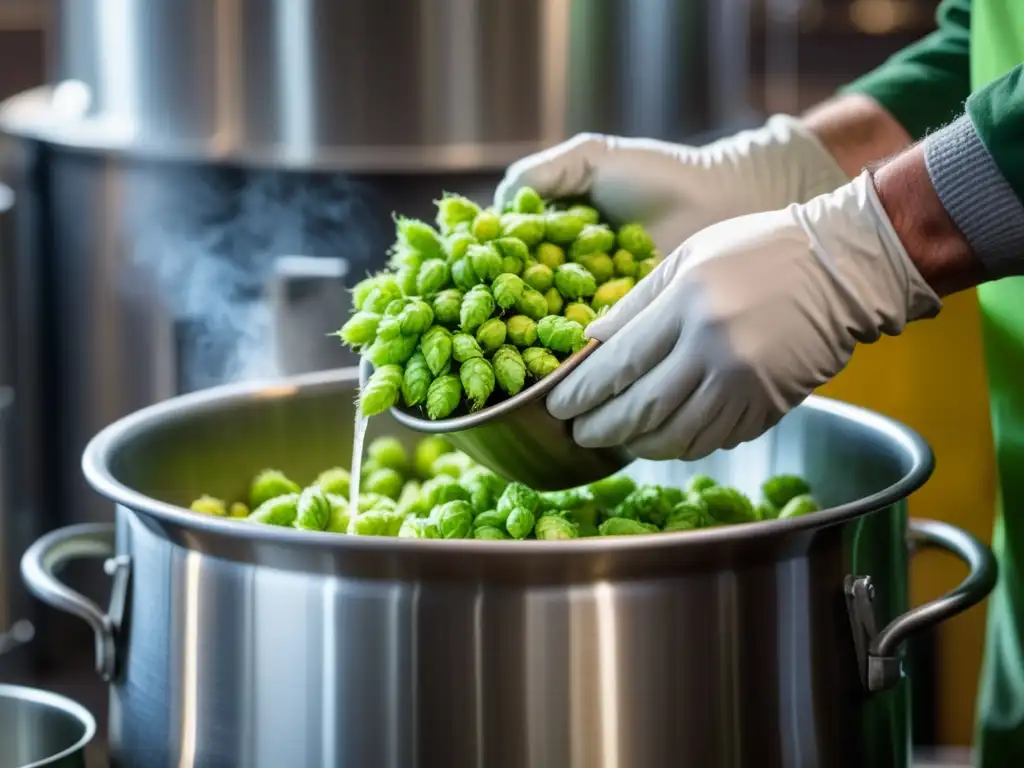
780,489
580,313
550,255
612,490
280,511
491,334
416,380
464,347
485,260
463,275
539,362
270,484
600,265
554,301
385,290
418,236
728,505
528,227
426,452
587,213
509,369
389,453
312,510
595,238
700,482
382,390
624,263
520,523
634,238
623,526
688,515
508,289
389,328
359,329
384,482
518,495
361,291
574,281
489,533
477,377
442,489
527,200
521,330
432,277
514,254
209,505
436,346
645,267
443,396
766,511
648,503
454,211
447,305
334,481
540,277
338,519
555,528
484,487
368,501
560,334
454,464
418,528
408,498
454,519
532,304
396,351
477,307
406,277
563,227
373,522
797,506
457,246
416,317
486,225
238,510
611,292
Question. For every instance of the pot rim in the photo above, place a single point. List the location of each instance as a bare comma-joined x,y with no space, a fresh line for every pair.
55,701
98,453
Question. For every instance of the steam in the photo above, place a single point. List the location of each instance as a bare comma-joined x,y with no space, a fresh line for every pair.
204,241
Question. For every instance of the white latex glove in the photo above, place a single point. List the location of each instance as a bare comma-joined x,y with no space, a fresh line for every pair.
676,190
740,324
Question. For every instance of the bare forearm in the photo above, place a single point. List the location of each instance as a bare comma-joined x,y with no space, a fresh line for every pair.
857,132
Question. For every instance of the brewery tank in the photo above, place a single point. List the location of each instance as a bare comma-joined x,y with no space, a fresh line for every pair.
187,151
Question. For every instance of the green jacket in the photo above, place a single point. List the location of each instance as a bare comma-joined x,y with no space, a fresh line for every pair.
970,72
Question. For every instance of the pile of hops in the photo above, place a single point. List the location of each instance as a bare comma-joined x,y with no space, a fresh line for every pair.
474,310
436,492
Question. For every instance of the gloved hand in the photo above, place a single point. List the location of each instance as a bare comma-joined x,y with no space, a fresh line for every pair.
740,324
676,190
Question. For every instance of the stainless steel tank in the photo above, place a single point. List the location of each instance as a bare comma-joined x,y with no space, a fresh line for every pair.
185,146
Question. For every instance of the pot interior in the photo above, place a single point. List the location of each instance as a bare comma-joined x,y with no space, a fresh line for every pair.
214,442
40,729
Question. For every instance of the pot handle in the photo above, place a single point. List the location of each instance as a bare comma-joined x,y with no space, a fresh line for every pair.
881,668
55,549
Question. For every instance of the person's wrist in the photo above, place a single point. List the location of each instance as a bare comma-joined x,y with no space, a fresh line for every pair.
937,248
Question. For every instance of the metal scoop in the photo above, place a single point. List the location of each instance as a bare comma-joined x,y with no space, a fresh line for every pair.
519,440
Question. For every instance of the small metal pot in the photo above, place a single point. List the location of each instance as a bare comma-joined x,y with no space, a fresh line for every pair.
39,728
770,645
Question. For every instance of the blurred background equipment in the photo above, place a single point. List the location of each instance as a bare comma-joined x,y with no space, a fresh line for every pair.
184,152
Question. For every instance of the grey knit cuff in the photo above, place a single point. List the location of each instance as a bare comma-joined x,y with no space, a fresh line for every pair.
976,196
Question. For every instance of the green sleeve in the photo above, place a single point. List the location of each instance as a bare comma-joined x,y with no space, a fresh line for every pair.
997,112
924,85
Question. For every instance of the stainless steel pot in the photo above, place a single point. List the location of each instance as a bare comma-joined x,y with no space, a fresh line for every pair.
39,728
772,644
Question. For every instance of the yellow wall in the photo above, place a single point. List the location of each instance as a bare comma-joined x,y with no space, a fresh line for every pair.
932,378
